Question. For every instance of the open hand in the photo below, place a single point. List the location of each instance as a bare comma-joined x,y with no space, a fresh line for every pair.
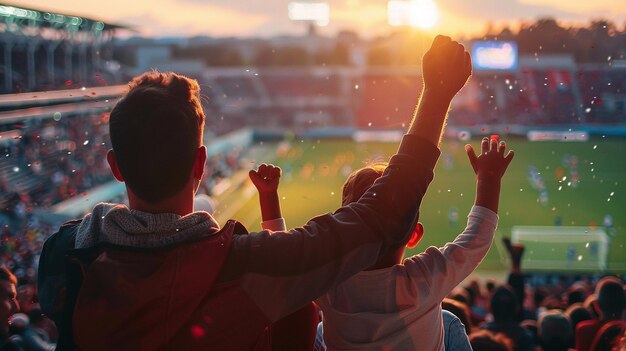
446,67
266,178
492,163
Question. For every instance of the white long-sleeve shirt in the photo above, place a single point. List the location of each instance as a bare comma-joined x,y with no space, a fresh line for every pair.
399,308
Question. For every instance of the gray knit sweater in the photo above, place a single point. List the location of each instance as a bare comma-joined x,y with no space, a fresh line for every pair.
119,225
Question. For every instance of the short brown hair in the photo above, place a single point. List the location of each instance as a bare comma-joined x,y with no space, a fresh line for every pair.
155,131
359,181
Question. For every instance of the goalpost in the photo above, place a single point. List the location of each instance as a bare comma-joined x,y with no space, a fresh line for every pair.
562,248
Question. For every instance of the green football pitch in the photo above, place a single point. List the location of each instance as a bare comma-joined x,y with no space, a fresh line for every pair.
548,184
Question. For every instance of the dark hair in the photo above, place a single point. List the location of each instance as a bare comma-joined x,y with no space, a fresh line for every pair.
484,340
555,331
504,305
577,313
610,296
6,274
359,181
490,285
591,305
576,294
155,131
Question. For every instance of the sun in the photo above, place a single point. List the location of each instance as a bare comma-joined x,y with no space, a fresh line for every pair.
415,13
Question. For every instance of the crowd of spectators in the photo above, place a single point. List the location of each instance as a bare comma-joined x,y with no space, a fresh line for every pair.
528,313
48,161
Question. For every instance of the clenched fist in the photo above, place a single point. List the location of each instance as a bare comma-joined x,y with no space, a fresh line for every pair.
446,67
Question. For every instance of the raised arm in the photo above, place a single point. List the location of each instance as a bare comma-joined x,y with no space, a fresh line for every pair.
516,277
489,168
266,179
283,272
438,271
446,68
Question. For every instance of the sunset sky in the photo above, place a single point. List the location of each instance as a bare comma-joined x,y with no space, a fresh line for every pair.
161,18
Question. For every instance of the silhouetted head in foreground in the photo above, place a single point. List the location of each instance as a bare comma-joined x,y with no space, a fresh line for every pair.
156,133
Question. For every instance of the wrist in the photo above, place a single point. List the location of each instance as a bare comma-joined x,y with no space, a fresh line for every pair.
268,192
441,96
488,194
434,96
485,180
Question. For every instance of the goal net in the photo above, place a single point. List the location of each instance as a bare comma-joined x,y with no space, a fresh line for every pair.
559,248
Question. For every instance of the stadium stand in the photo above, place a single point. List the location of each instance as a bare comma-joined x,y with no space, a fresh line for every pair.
46,50
386,98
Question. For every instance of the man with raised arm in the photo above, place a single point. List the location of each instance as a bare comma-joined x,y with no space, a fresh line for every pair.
156,275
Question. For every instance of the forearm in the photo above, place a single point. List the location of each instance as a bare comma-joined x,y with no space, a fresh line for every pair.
488,193
430,116
438,271
270,206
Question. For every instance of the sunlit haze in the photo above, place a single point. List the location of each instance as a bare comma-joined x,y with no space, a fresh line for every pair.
415,13
163,18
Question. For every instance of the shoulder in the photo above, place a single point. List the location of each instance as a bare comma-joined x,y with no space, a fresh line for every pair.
63,239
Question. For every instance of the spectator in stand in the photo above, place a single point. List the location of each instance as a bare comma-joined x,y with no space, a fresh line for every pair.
576,293
516,277
610,292
555,331
8,306
396,303
576,314
224,289
26,338
505,309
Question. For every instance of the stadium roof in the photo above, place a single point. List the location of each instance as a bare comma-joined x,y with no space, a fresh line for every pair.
53,19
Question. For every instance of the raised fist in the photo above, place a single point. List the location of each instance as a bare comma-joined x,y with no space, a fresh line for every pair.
446,67
266,178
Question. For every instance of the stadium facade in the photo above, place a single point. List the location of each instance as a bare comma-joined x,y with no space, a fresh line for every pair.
42,50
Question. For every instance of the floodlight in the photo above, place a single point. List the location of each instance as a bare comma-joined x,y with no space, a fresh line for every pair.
317,12
414,13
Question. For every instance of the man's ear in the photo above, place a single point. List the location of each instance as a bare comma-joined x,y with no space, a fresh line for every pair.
113,164
416,236
198,163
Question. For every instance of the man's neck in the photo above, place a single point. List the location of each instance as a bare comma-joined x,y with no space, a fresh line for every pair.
180,204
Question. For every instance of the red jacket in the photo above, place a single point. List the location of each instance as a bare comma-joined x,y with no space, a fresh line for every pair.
153,299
